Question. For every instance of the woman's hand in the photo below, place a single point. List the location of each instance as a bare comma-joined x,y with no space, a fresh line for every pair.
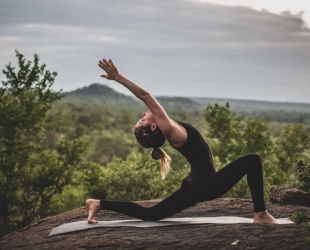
109,68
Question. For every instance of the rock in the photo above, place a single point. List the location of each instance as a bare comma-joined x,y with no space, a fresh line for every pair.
289,196
204,236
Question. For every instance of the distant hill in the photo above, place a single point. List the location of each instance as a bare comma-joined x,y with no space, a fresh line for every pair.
255,105
178,103
99,93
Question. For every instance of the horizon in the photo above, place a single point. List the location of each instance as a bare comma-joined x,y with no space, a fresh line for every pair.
128,93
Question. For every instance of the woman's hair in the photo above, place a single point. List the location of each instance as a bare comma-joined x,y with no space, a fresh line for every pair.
154,139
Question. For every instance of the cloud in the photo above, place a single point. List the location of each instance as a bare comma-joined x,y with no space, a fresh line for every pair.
299,8
167,46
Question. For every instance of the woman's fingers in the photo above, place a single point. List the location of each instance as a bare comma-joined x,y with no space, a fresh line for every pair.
104,65
101,64
104,61
107,63
110,61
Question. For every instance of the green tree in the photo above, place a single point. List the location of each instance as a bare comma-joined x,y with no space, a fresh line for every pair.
233,137
30,174
293,154
135,178
302,218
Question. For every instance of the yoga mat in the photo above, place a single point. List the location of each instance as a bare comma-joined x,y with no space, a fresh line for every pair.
84,225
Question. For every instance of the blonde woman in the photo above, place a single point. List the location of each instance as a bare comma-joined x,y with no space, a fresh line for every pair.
203,182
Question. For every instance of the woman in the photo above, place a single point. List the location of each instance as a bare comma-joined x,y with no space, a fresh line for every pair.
202,184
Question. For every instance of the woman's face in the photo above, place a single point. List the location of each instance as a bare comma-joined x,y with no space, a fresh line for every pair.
147,118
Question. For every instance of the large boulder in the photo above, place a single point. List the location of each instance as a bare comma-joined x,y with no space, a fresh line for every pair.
203,236
292,196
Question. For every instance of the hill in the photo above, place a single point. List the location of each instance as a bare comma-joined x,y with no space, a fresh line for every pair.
99,93
178,103
257,105
203,236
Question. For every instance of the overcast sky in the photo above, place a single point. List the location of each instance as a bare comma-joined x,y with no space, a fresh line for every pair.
174,48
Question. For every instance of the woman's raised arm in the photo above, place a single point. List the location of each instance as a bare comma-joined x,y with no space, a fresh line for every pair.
172,131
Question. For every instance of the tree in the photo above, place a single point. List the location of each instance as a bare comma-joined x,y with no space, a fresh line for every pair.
233,137
30,174
293,154
135,178
236,136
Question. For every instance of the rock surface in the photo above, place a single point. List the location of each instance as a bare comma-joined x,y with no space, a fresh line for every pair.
206,236
289,196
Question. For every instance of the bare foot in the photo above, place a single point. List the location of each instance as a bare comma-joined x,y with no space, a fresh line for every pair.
264,218
93,207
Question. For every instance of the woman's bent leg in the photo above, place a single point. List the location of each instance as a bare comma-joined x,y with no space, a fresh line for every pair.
223,180
175,203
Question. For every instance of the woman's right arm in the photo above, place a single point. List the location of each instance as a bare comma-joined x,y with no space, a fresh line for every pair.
142,94
113,74
174,133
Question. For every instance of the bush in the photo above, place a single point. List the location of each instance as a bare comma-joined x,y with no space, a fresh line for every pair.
135,178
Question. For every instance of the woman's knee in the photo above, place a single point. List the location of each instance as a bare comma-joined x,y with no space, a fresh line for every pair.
254,160
254,157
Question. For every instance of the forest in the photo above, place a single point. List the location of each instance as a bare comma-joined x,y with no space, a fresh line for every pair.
58,149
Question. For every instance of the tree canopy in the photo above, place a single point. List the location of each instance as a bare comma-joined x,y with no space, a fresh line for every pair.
30,173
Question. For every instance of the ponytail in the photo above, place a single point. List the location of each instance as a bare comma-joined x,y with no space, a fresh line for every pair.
165,160
154,139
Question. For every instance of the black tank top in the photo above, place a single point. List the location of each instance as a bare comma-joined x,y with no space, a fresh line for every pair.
197,152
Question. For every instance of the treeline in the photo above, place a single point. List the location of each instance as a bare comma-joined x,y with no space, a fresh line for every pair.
56,151
272,112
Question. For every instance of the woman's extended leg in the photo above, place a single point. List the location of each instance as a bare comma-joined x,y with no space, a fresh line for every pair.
175,203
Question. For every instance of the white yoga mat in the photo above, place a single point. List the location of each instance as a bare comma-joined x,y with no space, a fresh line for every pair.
84,225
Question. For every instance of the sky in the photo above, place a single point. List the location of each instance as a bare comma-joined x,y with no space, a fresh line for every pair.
252,50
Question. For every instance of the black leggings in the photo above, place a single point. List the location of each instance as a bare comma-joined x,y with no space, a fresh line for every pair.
208,188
